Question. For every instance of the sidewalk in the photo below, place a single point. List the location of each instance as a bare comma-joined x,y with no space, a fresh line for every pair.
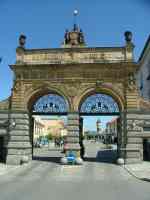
140,171
5,169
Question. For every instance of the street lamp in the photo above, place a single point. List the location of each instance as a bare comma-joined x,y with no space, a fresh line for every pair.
7,123
13,123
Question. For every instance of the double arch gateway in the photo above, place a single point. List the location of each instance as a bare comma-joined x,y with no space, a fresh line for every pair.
53,103
82,77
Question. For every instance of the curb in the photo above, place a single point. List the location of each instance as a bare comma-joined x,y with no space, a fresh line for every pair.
134,175
8,171
16,168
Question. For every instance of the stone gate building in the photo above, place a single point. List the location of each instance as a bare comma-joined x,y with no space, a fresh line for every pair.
74,80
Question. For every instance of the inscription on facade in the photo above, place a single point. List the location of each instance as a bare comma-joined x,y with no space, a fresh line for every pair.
61,57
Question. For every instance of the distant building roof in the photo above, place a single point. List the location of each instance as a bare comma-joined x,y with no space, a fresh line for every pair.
91,133
98,121
112,121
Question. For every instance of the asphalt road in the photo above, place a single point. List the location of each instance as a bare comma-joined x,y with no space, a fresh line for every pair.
45,178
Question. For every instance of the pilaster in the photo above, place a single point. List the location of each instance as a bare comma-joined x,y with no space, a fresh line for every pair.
72,141
19,148
3,133
134,143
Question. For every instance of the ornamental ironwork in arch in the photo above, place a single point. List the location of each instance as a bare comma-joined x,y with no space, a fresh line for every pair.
100,104
50,103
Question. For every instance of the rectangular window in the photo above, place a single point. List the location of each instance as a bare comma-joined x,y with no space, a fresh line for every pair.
141,81
146,149
148,77
146,129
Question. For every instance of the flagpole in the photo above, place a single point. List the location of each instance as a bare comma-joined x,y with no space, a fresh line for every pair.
75,14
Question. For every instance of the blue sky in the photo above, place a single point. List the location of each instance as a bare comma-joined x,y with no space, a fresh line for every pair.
44,23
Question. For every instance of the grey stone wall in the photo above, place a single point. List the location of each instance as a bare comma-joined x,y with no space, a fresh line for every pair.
3,133
143,75
135,134
19,148
3,122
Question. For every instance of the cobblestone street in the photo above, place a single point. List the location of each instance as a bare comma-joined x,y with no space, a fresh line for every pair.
46,178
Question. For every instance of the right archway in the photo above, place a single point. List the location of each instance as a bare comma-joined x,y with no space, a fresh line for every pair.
100,127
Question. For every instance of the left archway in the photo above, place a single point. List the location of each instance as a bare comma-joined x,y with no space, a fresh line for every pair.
40,93
51,103
46,111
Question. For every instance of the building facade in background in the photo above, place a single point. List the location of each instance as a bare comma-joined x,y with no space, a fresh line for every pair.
55,127
44,127
39,128
143,79
111,131
144,72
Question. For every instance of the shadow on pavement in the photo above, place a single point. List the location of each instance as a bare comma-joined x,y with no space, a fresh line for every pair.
47,159
106,156
102,156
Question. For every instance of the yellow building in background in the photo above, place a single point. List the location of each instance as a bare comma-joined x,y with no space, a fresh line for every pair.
54,127
111,130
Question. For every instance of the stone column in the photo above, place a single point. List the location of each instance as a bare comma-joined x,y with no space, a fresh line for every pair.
19,148
72,141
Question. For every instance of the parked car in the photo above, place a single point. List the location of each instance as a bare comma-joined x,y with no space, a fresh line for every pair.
41,142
